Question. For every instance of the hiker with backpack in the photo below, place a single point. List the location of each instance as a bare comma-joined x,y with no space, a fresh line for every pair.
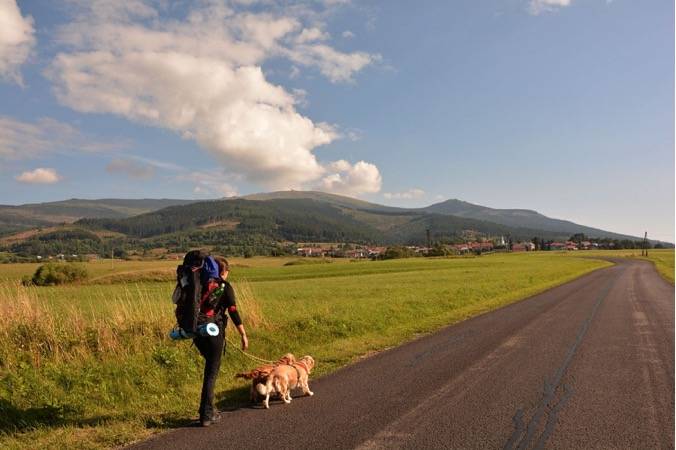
203,298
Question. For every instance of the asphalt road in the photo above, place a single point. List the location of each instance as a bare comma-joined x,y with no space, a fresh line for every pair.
587,365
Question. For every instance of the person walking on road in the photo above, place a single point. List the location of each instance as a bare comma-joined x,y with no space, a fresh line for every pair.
212,347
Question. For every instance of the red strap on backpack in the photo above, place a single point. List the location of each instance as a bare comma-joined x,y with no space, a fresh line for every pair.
205,307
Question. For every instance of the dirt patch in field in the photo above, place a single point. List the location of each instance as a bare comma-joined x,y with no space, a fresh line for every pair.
137,276
27,234
224,224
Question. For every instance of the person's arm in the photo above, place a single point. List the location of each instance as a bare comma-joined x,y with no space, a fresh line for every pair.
242,334
231,308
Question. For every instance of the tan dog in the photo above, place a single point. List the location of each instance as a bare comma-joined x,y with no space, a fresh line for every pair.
284,378
259,375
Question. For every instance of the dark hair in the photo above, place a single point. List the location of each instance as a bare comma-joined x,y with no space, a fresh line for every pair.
222,264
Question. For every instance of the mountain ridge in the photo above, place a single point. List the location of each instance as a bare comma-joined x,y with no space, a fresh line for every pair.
460,208
377,216
518,217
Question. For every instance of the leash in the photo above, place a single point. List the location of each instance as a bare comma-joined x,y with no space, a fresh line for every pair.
248,355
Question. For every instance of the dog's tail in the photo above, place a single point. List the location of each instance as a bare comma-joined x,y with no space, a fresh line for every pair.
267,388
258,372
271,385
247,375
261,389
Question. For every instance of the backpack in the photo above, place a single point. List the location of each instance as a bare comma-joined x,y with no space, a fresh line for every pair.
194,286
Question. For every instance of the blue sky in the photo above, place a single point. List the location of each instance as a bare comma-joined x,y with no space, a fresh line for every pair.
565,107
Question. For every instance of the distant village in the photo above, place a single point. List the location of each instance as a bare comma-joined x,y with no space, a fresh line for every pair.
355,251
472,246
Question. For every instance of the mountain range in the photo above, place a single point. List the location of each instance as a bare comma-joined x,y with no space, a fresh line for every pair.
263,221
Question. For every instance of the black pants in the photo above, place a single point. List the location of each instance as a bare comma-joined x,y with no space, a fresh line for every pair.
211,348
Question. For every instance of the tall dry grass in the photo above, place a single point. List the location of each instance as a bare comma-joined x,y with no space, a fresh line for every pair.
249,306
130,321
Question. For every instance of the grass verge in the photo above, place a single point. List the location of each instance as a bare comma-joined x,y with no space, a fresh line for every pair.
663,259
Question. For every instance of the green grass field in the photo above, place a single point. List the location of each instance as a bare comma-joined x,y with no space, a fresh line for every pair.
664,262
90,366
663,259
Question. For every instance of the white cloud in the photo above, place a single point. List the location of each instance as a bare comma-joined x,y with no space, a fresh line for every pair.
26,140
334,65
155,164
354,134
17,38
202,78
39,176
347,34
335,2
346,178
406,195
210,184
130,168
311,35
536,7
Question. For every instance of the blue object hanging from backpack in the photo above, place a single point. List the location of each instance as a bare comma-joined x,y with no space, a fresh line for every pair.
209,270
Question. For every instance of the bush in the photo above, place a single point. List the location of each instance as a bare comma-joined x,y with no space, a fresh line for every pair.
396,252
51,274
306,261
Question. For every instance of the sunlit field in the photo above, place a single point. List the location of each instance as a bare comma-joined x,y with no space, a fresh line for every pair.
90,365
662,258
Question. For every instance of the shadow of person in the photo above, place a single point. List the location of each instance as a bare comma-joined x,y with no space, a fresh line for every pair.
233,399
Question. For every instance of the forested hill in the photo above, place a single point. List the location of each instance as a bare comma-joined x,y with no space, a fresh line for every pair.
514,218
68,211
304,219
293,220
517,218
270,224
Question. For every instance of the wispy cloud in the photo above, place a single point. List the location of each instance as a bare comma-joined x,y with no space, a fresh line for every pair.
311,35
131,169
165,165
209,183
26,140
536,7
406,195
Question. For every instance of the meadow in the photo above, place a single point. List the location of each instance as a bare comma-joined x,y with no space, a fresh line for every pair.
91,366
663,259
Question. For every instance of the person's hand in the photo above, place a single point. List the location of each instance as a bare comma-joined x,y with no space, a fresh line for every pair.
245,342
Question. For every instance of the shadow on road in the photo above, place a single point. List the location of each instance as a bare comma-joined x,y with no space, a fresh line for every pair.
226,401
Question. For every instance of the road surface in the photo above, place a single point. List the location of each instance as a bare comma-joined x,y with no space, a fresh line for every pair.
587,365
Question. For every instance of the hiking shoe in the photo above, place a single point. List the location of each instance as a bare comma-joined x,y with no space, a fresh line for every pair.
207,421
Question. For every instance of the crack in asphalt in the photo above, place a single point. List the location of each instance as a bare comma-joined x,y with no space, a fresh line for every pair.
435,349
523,434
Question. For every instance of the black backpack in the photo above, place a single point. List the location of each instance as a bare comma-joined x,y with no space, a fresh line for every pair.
188,292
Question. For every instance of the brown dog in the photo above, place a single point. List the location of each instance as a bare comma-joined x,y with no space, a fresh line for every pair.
284,378
259,375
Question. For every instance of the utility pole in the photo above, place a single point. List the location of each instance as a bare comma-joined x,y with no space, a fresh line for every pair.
645,245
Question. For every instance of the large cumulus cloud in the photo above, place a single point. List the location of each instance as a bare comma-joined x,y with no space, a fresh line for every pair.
16,40
201,76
